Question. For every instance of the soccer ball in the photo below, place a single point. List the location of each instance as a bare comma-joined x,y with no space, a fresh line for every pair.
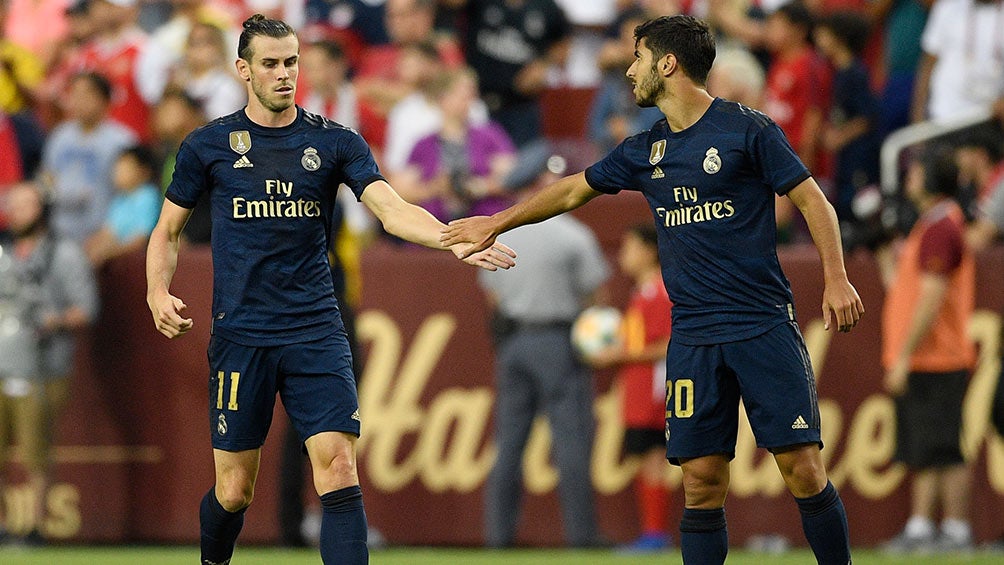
595,329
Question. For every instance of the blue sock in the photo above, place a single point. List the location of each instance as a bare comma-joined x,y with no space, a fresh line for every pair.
343,527
704,538
219,529
825,524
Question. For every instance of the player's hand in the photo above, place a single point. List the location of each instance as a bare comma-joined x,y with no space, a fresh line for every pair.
476,231
896,377
498,256
605,358
841,304
167,315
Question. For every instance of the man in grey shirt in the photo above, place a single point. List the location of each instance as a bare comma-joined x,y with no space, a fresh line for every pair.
561,267
47,293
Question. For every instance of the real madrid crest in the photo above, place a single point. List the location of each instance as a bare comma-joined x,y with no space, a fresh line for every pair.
310,160
240,141
712,162
221,425
658,151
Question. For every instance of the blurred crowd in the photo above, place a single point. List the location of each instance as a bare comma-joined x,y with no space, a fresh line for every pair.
97,95
448,93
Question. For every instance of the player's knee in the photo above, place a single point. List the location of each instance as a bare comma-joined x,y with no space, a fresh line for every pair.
705,486
805,475
235,495
338,472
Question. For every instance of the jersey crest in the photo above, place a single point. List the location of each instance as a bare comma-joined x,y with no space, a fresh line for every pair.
712,162
310,159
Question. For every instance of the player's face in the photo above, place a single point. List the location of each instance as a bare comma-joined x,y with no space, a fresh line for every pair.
644,75
271,73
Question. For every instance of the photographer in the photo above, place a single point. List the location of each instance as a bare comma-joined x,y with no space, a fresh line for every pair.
47,293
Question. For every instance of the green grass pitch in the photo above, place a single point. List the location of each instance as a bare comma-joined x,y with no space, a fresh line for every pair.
440,556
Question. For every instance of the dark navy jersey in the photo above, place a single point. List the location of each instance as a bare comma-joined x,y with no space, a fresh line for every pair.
711,189
272,191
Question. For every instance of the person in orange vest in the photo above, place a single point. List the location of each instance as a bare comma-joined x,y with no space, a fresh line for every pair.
928,355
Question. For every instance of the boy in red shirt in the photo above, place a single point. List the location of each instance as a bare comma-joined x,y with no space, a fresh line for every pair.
640,358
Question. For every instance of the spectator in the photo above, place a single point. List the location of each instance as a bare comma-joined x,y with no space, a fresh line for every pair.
851,134
21,72
78,157
417,114
38,26
927,355
81,30
133,210
797,82
979,154
561,267
49,290
205,72
512,46
175,116
114,51
961,70
641,362
988,227
326,90
167,44
614,116
737,75
904,22
795,96
383,77
460,169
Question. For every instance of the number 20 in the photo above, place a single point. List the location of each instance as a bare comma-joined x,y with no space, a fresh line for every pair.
235,379
683,389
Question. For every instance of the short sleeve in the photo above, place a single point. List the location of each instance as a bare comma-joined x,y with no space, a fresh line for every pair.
934,38
779,165
941,248
190,179
358,166
610,174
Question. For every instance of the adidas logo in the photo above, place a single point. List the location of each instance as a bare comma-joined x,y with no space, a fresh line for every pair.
800,424
243,162
657,173
355,416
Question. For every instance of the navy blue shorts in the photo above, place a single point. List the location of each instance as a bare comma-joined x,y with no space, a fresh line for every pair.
314,380
772,375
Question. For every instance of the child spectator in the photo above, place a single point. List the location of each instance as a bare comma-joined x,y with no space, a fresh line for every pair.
133,210
641,359
852,133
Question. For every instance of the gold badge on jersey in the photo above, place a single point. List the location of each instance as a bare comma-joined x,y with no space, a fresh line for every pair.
240,141
712,162
658,151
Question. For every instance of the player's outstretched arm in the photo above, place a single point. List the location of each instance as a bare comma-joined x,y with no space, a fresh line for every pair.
559,197
417,225
161,262
840,299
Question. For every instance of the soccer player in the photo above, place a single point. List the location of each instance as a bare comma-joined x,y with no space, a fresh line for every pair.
271,171
710,171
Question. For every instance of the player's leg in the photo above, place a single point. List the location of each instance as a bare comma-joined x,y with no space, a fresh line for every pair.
515,408
702,421
336,480
704,536
779,394
242,387
567,394
319,393
221,513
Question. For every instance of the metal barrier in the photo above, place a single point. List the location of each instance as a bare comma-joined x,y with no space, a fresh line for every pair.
900,139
